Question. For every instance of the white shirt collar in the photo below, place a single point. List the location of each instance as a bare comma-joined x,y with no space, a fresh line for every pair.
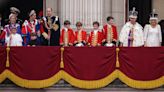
66,29
95,31
109,25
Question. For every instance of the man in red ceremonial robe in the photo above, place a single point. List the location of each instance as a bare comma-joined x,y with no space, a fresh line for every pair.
96,36
110,33
80,35
67,35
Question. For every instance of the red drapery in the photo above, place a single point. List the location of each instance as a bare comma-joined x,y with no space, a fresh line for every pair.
34,66
142,64
83,67
89,67
89,63
35,63
3,56
142,67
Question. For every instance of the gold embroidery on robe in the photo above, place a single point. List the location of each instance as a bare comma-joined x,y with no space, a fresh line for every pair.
79,37
66,38
94,39
109,34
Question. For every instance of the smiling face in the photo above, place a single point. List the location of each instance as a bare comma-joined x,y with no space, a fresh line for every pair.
14,31
79,27
133,20
49,12
153,22
95,26
110,22
13,19
33,16
33,37
67,26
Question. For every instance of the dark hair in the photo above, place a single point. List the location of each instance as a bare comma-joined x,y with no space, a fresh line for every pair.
109,18
67,22
96,23
33,34
79,24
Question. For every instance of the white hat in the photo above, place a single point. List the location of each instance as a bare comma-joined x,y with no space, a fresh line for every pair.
133,13
32,12
14,10
153,15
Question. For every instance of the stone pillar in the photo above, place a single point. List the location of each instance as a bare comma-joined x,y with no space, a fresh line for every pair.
107,9
119,12
88,11
52,4
158,4
85,11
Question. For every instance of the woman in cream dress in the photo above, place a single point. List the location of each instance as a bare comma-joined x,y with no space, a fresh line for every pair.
152,32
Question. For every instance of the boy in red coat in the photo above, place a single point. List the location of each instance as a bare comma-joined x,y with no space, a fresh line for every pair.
80,35
67,35
96,36
110,33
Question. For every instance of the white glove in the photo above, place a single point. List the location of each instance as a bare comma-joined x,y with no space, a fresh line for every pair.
109,45
79,45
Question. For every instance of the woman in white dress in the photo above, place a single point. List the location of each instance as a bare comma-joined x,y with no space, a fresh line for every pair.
152,32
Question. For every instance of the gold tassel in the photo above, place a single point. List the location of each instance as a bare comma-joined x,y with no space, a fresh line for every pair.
117,58
7,61
62,61
117,64
62,64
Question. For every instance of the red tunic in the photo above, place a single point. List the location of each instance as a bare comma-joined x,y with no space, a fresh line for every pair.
67,38
110,33
80,36
29,27
95,40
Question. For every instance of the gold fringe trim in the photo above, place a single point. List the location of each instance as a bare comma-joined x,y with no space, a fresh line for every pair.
7,61
117,58
141,84
62,61
2,76
86,84
35,84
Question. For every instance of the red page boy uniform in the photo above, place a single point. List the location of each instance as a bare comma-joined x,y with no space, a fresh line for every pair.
67,35
95,37
80,35
110,33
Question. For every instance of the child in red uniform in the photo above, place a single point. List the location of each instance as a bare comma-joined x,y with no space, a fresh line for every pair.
67,35
109,33
80,35
96,36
